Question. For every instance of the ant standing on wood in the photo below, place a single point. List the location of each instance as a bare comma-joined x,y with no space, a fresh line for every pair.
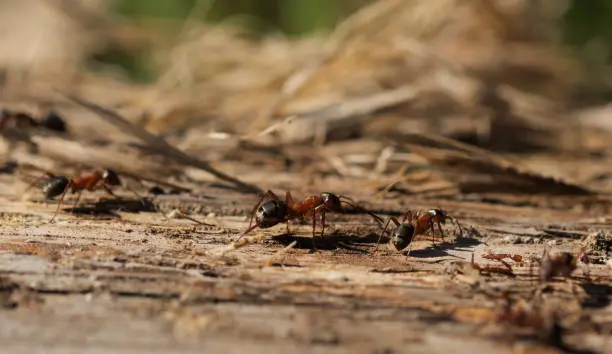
562,264
55,186
50,121
412,225
268,213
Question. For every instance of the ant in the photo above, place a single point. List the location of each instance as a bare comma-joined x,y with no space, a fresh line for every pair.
55,186
51,121
275,210
562,265
506,269
517,258
412,225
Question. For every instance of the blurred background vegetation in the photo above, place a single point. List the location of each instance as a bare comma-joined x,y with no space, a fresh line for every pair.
586,24
292,18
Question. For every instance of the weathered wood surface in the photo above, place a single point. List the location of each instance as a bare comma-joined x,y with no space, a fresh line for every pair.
137,282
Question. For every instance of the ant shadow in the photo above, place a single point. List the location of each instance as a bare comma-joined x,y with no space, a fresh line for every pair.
336,240
328,242
110,207
598,295
440,249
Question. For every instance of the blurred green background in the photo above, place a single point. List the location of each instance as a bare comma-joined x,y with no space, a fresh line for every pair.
584,23
293,17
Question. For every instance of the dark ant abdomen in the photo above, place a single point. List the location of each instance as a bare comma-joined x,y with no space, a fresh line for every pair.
403,236
55,186
271,213
53,121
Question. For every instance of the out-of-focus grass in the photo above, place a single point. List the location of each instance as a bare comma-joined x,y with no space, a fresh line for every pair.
290,17
586,23
293,17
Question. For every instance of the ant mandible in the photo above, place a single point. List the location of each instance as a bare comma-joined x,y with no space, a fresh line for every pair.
412,225
268,213
58,185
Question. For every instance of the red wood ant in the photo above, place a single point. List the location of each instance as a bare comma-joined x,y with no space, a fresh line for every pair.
562,264
50,121
506,269
412,225
55,186
517,258
268,213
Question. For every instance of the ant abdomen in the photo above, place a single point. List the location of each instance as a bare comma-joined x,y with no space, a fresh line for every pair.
402,236
271,213
55,186
53,121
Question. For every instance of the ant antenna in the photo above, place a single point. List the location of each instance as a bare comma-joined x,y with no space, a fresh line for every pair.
456,223
247,231
351,202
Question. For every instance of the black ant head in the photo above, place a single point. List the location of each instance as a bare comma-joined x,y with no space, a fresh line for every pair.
438,214
331,202
111,177
55,186
402,236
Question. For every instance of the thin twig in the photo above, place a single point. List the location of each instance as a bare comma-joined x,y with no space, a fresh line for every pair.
158,145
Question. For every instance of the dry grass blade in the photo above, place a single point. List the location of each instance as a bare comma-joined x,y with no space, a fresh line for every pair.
348,113
500,174
126,164
159,146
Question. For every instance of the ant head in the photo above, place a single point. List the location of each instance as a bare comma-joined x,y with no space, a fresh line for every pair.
331,201
111,177
438,213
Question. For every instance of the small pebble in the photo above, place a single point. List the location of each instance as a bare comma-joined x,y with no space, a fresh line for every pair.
512,239
528,240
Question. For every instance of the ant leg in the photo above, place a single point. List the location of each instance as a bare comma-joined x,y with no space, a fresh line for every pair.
407,216
270,194
108,190
289,203
395,221
314,225
59,203
433,235
440,228
323,223
349,201
251,228
409,249
458,225
37,181
76,201
381,235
